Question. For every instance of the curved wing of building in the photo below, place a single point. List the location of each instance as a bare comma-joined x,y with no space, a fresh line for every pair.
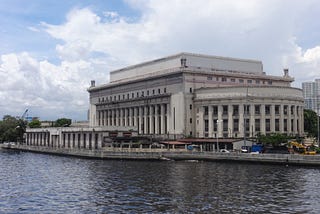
186,94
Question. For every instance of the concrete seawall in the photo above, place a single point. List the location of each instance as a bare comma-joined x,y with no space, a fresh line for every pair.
174,154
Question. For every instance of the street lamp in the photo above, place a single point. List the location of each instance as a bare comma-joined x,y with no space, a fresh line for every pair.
217,135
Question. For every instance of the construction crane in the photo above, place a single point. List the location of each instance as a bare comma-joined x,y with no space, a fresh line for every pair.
23,117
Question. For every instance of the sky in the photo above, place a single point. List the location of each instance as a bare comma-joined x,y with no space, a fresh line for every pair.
50,50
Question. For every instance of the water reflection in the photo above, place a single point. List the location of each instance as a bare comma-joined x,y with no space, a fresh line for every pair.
33,183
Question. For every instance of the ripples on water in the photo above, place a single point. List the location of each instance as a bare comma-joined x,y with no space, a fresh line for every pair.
36,183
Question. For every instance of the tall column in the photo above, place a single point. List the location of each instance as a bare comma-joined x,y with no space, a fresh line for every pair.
135,117
210,121
241,120
156,119
295,118
220,121
281,118
151,119
289,125
251,121
122,116
141,129
263,119
125,111
272,119
200,122
130,116
162,119
145,120
230,121
301,121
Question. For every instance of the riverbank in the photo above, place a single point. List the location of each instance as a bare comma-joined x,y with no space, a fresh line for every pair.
172,154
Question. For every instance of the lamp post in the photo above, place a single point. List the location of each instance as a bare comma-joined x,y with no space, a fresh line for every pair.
217,135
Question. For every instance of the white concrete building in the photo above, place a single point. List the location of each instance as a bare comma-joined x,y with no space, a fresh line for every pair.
200,96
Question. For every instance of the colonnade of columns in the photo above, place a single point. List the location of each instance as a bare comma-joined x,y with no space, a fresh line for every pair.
250,119
149,119
80,140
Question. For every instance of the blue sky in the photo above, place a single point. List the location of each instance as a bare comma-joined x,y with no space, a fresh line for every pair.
50,50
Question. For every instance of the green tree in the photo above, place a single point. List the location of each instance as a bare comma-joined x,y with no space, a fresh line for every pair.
274,139
62,122
12,129
35,124
310,123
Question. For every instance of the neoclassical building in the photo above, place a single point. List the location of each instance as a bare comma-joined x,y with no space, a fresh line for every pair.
199,96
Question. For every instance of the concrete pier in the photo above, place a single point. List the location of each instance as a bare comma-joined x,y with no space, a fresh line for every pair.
173,154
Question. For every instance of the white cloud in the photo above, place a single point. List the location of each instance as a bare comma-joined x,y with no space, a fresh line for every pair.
90,45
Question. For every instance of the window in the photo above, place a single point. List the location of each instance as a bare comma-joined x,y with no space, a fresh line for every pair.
249,81
257,109
132,95
148,93
217,78
190,120
224,79
159,91
257,81
209,77
277,109
233,80
165,90
205,110
225,110
270,82
190,106
142,93
257,125
190,89
123,96
137,94
235,110
153,91
241,80
215,110
267,110
127,96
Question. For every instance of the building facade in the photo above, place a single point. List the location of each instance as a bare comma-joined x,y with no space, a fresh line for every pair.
311,94
199,96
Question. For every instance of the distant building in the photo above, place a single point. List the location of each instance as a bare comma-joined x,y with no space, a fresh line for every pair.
198,96
311,94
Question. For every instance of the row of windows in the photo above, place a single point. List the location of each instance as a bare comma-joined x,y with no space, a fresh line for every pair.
257,109
257,125
132,95
248,81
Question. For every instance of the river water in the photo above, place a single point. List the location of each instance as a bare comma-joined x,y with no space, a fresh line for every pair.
38,183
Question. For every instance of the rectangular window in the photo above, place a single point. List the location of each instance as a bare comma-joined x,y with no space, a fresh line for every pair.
268,125
205,110
240,80
190,90
209,77
277,109
267,109
277,125
206,125
158,90
132,95
257,109
249,81
190,106
165,90
233,80
153,91
148,93
190,120
215,110
235,125
257,81
257,125
225,110
235,110
224,79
